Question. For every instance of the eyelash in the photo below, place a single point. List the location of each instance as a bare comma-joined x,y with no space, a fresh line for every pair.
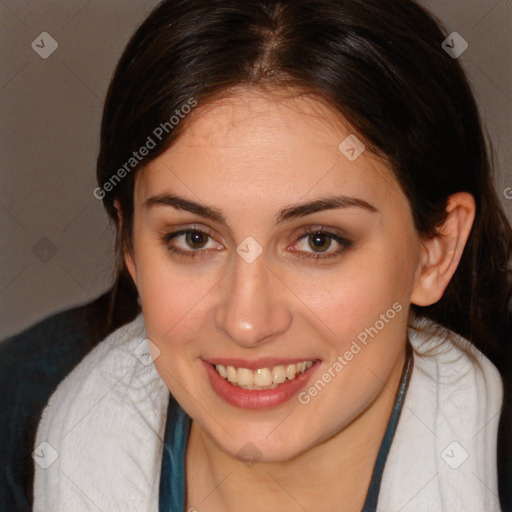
307,232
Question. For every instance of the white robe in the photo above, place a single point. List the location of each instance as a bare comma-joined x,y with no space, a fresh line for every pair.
100,440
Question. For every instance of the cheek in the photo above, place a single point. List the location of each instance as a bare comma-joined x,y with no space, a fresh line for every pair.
174,317
171,295
363,288
171,305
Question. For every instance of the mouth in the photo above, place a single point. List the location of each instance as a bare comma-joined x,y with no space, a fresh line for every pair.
265,385
262,378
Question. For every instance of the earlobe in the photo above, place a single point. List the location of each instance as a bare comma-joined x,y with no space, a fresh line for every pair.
441,254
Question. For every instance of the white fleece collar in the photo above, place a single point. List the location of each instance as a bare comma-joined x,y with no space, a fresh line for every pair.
100,440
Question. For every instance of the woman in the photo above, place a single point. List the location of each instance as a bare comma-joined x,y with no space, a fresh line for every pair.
304,202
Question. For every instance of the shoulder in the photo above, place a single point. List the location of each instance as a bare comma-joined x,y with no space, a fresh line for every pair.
96,422
445,444
112,359
56,339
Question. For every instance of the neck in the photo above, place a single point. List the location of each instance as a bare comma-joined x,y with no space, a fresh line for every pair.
333,472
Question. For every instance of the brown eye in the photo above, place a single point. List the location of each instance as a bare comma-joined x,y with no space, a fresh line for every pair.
319,244
190,244
196,239
320,241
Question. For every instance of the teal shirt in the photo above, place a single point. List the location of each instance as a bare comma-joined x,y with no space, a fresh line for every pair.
177,429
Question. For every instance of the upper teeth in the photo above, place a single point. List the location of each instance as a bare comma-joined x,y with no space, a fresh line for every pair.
262,378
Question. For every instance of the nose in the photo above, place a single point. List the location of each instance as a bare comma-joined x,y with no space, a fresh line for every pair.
253,309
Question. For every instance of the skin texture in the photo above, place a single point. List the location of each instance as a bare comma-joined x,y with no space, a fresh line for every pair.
251,155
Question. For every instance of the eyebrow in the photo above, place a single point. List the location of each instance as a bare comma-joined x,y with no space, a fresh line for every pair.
288,213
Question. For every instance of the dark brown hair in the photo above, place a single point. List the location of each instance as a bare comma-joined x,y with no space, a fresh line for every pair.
380,64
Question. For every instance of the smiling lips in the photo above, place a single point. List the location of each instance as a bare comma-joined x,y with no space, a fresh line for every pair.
244,391
258,384
262,378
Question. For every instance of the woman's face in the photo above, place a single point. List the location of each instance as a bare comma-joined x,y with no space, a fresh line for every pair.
259,243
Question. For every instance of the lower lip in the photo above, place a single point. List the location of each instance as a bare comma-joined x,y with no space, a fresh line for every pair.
257,399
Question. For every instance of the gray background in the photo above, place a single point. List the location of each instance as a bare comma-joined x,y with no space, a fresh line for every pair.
55,241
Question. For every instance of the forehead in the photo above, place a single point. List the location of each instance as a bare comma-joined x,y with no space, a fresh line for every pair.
246,120
259,142
245,110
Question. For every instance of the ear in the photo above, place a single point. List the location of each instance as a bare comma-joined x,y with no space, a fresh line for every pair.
128,258
441,254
